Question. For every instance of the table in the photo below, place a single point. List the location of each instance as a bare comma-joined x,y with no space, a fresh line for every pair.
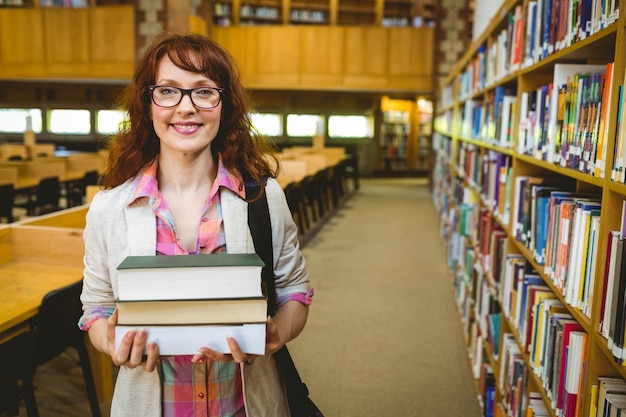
30,267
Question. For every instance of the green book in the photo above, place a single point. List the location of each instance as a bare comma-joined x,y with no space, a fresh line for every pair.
189,277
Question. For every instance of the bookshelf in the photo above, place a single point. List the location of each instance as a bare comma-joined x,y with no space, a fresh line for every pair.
398,13
358,12
260,12
527,183
394,140
312,12
223,13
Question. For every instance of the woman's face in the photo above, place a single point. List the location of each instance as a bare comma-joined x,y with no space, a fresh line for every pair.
184,128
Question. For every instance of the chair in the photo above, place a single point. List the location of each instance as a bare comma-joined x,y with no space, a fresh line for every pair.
293,194
7,197
45,198
15,362
77,190
55,329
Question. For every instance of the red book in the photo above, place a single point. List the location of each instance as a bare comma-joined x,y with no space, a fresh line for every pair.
567,326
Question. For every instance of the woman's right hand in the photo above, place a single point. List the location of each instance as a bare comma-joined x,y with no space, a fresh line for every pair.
130,352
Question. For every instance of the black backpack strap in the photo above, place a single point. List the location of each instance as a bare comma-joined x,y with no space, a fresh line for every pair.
261,230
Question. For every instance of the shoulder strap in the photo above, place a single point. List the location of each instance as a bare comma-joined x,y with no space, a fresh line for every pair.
261,230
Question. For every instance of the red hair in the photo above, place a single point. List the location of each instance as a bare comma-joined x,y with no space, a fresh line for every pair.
137,145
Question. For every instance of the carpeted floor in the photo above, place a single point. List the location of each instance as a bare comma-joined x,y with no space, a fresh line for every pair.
383,336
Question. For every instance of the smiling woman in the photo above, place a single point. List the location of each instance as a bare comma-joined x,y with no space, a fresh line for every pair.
174,185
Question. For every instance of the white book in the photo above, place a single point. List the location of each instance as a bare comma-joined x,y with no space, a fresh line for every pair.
561,73
187,340
185,277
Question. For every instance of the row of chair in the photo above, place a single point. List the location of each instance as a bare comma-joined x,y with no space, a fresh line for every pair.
310,199
52,332
45,197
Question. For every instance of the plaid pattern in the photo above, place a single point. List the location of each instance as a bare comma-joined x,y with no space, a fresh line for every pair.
205,389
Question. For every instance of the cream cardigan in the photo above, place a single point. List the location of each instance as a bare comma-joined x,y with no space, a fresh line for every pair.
115,230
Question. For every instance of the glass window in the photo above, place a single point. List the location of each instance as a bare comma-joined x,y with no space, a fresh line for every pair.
353,126
108,121
16,120
268,124
303,125
71,122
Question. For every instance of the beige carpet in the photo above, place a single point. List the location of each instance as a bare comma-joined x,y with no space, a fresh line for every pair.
383,337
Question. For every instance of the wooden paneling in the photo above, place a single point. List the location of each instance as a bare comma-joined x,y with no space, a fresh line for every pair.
321,66
21,41
65,35
95,42
277,53
332,57
112,40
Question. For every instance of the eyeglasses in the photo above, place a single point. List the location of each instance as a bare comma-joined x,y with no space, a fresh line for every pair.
202,97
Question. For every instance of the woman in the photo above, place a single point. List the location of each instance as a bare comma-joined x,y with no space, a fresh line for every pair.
174,186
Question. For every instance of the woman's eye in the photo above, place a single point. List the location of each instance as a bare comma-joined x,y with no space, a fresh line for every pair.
204,92
166,91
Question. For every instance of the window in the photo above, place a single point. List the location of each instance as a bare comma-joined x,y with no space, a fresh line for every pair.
353,126
15,120
71,122
108,122
268,124
303,125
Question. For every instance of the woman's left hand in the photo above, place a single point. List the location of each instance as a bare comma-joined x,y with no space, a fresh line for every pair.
272,344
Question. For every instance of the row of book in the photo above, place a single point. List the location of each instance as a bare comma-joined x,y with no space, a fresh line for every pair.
552,25
566,122
193,301
613,308
532,33
561,228
490,173
531,307
490,120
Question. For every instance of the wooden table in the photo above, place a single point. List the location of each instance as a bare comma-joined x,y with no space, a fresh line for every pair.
38,255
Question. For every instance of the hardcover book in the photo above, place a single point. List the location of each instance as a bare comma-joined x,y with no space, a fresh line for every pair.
190,277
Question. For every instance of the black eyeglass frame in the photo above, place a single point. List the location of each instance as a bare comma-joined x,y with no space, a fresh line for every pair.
186,92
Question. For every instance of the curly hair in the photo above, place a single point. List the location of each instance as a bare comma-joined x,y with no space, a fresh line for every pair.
243,150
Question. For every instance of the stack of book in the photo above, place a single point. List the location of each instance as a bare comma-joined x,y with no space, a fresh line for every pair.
193,301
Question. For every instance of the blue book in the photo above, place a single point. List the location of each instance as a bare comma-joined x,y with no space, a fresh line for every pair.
542,203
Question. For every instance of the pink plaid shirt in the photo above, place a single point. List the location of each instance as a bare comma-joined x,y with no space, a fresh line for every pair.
205,389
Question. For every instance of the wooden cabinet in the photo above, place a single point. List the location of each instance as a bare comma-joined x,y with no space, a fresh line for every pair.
504,149
94,42
332,57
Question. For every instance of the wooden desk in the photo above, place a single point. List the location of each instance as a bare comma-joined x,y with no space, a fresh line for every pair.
30,172
38,255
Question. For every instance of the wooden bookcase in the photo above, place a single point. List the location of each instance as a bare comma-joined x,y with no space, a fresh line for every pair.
477,183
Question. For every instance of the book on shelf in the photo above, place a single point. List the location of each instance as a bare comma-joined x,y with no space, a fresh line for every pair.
575,273
608,284
574,372
187,312
611,391
186,340
563,75
618,173
617,286
565,328
603,128
190,277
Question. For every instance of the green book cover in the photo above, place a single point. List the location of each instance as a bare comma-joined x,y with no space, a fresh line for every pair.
190,261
